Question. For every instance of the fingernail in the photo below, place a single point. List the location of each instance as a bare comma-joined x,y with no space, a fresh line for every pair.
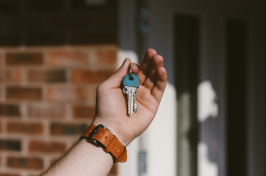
124,61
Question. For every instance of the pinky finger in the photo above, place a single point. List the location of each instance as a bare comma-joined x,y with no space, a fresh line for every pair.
160,84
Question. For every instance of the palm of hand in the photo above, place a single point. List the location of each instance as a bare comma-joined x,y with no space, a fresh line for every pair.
111,104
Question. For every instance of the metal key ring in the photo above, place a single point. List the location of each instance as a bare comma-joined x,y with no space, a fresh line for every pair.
130,72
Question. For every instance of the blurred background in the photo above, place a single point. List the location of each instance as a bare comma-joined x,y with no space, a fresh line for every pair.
212,118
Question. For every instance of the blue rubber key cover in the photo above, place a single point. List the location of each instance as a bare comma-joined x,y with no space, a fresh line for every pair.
131,82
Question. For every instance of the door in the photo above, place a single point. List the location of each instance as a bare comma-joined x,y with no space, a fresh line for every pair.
227,136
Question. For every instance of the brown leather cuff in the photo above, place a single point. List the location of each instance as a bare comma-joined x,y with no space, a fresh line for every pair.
101,136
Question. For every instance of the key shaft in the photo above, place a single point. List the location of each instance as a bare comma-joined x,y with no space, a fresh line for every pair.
130,99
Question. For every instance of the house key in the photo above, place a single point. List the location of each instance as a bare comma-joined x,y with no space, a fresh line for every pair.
130,85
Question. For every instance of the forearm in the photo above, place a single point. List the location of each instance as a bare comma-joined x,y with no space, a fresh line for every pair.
82,159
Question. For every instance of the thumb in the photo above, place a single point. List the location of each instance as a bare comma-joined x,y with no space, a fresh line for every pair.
116,79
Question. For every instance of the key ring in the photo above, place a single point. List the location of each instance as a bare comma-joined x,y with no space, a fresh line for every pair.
130,72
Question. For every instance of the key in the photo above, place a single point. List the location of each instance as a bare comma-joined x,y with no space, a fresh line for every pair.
135,106
130,91
130,85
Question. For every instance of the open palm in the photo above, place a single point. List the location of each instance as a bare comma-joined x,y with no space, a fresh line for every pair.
111,103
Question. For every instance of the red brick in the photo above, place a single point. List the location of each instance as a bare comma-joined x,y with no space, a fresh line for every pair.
10,110
106,57
48,76
68,94
93,90
83,112
11,76
46,147
25,128
31,163
6,174
65,58
1,60
1,93
46,111
53,161
31,58
10,145
89,76
58,129
23,93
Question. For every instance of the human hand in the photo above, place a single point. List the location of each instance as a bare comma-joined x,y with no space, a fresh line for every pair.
111,103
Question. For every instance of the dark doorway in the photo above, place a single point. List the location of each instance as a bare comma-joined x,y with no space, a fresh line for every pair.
236,118
186,46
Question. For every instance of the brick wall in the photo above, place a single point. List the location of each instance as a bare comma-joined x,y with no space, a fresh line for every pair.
53,54
47,99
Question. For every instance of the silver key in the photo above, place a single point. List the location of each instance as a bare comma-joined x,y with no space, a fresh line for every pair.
131,104
130,85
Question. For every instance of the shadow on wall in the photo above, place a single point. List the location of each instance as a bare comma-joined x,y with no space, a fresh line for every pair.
208,148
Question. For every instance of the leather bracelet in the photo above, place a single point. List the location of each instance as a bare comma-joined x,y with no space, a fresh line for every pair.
102,137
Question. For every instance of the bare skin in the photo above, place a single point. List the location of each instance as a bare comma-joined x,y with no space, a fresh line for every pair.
85,159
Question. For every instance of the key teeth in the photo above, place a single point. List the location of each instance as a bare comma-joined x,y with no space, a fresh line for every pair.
135,105
125,90
135,109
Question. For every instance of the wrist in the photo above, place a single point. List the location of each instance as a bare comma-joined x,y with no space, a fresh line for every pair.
102,137
97,121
